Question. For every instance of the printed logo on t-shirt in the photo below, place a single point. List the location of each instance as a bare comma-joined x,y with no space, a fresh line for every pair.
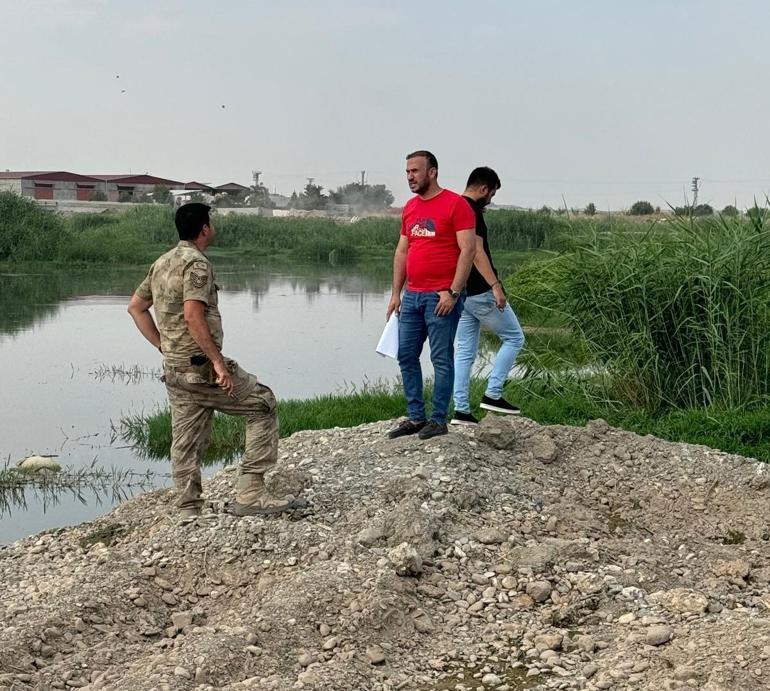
423,228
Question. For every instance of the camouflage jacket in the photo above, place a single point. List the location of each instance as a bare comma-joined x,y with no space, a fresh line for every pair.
183,273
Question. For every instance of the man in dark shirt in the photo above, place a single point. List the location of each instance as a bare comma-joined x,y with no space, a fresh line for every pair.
485,305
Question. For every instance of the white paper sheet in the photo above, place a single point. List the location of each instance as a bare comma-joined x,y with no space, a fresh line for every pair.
388,343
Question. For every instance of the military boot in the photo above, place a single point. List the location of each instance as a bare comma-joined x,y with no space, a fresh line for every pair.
252,498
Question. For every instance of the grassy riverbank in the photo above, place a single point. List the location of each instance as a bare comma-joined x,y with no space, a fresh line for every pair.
565,400
670,322
663,332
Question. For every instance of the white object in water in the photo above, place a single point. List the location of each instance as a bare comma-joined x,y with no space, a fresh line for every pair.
34,464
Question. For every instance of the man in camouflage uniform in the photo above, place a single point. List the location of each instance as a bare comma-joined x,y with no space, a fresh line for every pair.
199,379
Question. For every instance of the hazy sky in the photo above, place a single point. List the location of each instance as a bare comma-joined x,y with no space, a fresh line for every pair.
607,101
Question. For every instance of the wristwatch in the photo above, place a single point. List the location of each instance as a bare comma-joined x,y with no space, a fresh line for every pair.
453,293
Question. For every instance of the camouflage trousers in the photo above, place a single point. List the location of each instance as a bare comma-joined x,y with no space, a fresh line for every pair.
194,397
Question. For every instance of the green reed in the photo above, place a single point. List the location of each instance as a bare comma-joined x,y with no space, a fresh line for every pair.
673,318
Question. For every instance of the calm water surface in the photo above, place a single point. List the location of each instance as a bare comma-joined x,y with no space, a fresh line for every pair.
72,363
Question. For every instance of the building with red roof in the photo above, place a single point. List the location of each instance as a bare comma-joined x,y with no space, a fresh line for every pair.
50,185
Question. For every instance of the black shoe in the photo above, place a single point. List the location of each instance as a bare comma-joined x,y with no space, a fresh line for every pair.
499,405
433,429
405,428
461,418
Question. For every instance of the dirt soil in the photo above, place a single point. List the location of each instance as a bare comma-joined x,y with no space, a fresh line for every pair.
511,556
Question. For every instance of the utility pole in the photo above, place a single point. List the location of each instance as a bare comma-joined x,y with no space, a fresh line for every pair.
363,178
255,174
695,187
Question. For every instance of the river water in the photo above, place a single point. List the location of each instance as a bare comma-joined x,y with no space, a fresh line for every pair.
72,364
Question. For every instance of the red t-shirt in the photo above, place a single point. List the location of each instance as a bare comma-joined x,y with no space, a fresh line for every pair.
430,227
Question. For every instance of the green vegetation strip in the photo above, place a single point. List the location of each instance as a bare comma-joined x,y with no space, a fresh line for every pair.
151,434
567,400
137,235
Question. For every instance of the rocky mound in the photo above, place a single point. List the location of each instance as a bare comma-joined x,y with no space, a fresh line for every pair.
514,556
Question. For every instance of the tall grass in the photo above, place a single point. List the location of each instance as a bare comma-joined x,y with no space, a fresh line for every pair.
136,235
309,239
531,230
27,232
151,434
678,318
526,230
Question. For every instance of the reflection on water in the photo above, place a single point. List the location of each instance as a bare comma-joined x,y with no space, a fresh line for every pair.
98,488
27,297
72,362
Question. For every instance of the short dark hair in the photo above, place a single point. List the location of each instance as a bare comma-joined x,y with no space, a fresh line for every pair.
190,219
432,161
484,176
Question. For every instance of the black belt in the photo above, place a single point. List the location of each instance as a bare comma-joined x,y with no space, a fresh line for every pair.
198,360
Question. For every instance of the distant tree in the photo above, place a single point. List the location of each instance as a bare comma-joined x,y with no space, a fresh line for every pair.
590,209
730,210
641,208
294,200
703,210
657,209
229,200
161,195
259,196
313,198
97,196
699,210
544,210
363,197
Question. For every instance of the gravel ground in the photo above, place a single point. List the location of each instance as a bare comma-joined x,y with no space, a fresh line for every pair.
511,556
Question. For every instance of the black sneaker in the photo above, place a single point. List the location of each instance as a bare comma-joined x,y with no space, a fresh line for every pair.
461,418
433,429
499,405
405,428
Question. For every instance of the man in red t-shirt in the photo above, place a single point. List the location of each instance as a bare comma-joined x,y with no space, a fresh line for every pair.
434,257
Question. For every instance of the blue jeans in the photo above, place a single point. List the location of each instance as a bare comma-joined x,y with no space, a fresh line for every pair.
417,321
481,310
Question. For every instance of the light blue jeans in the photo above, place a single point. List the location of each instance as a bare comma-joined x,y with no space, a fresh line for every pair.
481,310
